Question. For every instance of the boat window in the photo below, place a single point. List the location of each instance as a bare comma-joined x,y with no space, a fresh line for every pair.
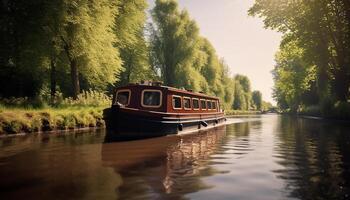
209,105
187,103
151,98
123,97
195,103
203,104
177,102
213,105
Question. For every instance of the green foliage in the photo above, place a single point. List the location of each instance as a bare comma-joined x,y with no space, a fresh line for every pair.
313,62
57,36
241,112
257,100
27,121
87,98
267,106
65,53
129,29
293,76
242,94
175,44
184,58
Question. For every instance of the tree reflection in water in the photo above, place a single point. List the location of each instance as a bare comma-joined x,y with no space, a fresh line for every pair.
315,158
267,157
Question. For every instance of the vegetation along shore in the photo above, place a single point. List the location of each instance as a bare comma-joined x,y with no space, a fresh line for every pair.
53,51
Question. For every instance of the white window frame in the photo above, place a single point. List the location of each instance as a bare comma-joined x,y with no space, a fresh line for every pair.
150,90
123,90
172,103
206,106
199,104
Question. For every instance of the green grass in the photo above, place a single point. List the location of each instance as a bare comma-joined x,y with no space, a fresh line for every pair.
241,112
27,115
338,110
19,120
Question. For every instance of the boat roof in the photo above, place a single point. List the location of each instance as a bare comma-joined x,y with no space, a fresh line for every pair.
183,91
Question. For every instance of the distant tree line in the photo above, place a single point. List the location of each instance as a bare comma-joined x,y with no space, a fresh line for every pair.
313,64
72,45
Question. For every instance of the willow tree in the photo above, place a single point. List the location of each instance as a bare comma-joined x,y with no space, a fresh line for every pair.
129,29
175,44
88,42
228,84
213,69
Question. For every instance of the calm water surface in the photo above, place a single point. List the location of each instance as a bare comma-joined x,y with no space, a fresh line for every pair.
267,157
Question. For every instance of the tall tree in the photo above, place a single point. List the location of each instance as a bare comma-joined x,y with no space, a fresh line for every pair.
293,76
242,93
21,48
88,41
131,43
257,99
176,46
321,28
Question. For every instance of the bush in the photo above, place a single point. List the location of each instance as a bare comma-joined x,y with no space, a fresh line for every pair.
241,112
88,98
341,110
43,100
313,110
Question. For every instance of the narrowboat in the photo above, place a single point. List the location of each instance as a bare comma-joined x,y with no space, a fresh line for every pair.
150,109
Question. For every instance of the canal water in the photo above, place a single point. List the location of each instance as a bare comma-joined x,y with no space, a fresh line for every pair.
263,157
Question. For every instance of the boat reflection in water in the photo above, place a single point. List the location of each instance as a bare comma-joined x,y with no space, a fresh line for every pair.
167,165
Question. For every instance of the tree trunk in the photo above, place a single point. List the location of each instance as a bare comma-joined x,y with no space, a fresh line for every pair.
53,80
341,83
75,78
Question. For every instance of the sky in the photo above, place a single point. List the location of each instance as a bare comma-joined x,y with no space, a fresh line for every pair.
247,47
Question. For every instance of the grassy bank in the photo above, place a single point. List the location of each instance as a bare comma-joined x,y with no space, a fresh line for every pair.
338,110
17,120
24,115
241,112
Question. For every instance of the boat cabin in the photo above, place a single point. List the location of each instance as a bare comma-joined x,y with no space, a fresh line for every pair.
154,97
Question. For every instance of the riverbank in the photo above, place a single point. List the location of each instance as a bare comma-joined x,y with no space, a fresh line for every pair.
242,112
18,120
22,121
330,111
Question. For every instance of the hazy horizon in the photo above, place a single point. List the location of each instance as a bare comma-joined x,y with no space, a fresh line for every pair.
241,40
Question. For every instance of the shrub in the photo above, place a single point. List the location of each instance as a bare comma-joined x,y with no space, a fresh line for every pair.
88,98
43,100
60,122
313,110
241,112
341,110
69,121
36,123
